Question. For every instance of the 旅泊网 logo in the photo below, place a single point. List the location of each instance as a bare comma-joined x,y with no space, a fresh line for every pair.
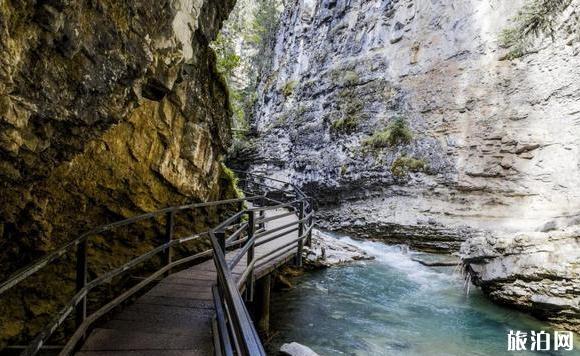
540,341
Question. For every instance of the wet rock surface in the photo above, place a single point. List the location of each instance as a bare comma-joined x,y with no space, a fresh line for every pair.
538,272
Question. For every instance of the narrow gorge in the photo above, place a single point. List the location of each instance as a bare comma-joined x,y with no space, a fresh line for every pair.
412,168
486,161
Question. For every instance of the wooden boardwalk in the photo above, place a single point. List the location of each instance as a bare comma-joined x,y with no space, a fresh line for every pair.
174,317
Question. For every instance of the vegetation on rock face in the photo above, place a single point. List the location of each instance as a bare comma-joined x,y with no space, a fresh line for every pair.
535,18
263,30
288,88
227,59
243,49
350,78
345,124
397,132
229,182
343,170
227,62
350,107
405,164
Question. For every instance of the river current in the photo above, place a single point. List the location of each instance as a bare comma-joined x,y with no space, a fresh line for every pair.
394,306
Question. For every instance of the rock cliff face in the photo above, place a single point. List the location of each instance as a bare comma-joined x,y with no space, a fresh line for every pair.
489,146
537,272
499,139
108,109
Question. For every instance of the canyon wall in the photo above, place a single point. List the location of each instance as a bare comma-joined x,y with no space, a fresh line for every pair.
108,109
490,142
498,140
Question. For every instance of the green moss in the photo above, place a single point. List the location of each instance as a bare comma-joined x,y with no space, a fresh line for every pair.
404,164
288,88
350,107
343,76
343,169
350,78
345,125
396,133
229,181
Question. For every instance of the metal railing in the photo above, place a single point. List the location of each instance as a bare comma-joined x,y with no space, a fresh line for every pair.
234,329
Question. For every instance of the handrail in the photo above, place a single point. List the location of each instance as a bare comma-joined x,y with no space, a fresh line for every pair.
241,335
231,325
250,243
237,233
29,270
248,341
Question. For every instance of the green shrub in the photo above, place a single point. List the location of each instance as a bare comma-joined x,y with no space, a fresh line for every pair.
509,38
397,132
345,124
288,88
227,59
535,18
404,164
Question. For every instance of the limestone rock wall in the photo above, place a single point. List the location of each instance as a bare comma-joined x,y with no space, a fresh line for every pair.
499,138
495,142
537,272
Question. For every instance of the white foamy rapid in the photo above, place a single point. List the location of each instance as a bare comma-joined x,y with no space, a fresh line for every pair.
399,258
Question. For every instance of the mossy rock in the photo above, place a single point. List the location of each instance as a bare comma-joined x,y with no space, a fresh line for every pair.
396,133
229,182
405,164
350,78
345,125
288,88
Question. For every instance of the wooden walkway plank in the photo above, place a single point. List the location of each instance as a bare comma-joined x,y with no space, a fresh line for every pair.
174,317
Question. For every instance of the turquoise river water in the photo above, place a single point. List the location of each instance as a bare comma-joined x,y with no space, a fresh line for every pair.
394,306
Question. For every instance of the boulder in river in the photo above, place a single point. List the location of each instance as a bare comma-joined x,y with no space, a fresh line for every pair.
327,251
296,349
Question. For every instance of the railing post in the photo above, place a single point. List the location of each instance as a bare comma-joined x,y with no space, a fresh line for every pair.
310,222
81,280
262,212
300,233
240,208
221,237
169,223
251,230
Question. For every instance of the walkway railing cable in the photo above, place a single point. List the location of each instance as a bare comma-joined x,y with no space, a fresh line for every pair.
234,331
